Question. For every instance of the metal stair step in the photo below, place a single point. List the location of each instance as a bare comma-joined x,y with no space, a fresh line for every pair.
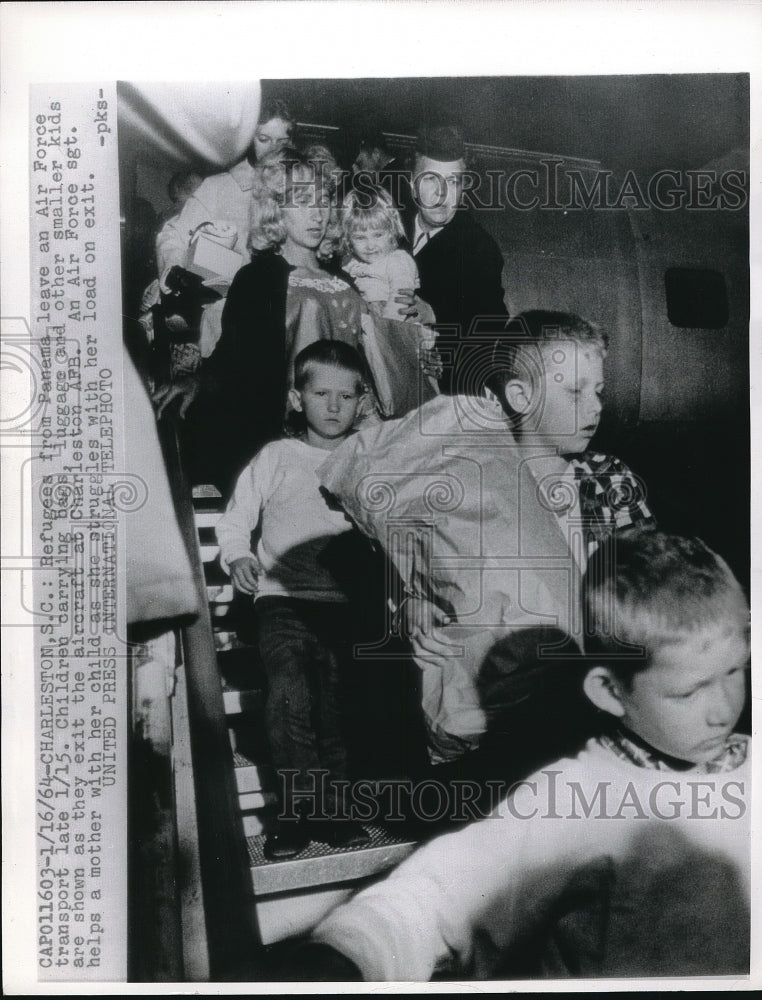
206,518
255,821
219,593
321,865
225,639
242,701
257,801
219,612
206,495
249,776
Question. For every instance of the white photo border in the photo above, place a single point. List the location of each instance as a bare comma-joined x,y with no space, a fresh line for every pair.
53,42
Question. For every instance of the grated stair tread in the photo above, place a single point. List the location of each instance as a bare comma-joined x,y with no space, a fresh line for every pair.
320,864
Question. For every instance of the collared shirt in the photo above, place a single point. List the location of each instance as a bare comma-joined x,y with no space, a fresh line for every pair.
636,751
594,496
422,236
463,902
611,496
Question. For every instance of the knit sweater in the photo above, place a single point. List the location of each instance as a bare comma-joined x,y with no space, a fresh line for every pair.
658,863
279,493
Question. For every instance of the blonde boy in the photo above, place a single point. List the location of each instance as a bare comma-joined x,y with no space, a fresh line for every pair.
631,858
301,610
528,502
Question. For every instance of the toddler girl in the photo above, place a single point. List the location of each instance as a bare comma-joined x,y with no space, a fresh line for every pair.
372,234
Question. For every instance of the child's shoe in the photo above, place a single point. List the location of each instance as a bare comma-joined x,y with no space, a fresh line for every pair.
345,833
287,839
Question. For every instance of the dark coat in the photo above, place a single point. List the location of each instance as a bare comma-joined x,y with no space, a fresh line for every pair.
460,271
245,380
249,361
243,383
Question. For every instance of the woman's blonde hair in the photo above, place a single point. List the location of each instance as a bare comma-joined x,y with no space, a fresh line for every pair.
274,178
327,168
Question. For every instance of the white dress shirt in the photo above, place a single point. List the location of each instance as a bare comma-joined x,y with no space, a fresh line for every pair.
421,235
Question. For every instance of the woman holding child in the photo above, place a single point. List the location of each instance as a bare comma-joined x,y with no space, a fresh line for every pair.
289,295
283,300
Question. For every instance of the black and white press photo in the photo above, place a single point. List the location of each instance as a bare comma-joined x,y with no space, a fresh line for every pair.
386,564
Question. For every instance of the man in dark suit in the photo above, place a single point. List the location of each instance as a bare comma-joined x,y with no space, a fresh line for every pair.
459,264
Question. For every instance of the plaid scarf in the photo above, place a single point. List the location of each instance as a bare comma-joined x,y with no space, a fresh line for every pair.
731,756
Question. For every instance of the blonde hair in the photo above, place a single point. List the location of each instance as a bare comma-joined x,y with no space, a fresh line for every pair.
330,173
274,178
370,207
325,163
519,351
644,588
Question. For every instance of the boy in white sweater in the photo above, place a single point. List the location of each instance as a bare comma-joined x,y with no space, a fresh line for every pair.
631,858
301,610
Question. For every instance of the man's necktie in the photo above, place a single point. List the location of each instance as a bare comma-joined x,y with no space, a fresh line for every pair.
422,239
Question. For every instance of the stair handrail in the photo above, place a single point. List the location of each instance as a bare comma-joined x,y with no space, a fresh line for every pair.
231,930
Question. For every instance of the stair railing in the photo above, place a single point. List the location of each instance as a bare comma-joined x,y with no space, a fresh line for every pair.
231,933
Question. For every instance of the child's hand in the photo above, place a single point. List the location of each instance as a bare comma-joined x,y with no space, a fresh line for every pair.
244,574
184,387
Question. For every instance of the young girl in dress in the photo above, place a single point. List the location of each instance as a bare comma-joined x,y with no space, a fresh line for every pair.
372,234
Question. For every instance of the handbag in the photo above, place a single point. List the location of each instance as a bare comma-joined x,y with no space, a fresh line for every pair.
393,350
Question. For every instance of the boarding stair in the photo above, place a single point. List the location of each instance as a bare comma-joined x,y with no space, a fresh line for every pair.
288,896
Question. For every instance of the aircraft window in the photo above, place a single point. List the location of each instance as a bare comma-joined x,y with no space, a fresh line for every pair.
696,297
